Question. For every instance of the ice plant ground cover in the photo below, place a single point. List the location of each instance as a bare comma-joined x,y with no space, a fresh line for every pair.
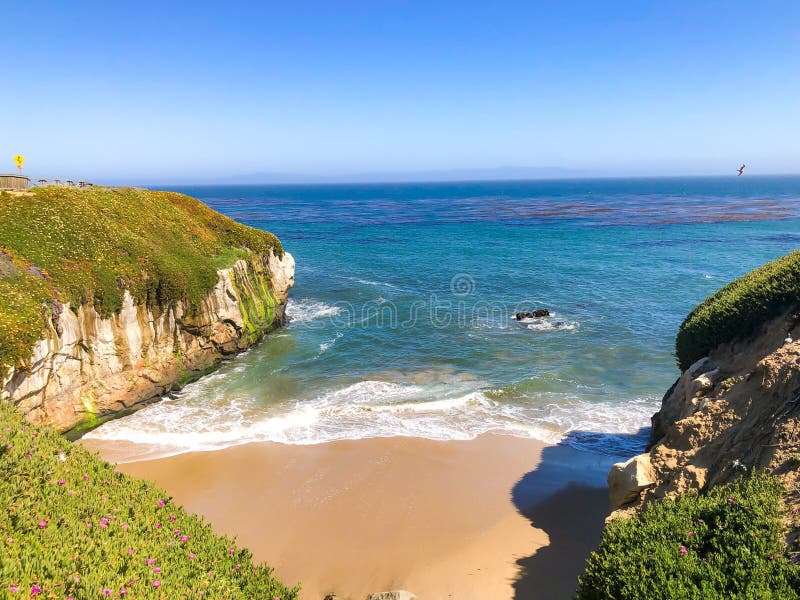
71,526
91,245
739,308
724,543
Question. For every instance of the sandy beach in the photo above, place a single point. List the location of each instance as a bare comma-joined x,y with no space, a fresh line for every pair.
496,517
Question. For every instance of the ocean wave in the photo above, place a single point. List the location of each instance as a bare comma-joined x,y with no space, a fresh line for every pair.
554,322
305,309
325,346
374,409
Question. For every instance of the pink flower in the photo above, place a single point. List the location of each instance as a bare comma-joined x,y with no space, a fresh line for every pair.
684,550
151,561
28,455
124,525
42,524
731,499
177,532
160,503
184,538
230,550
36,590
85,476
76,579
157,570
192,555
156,583
13,589
123,592
172,518
106,592
158,525
10,540
691,534
131,550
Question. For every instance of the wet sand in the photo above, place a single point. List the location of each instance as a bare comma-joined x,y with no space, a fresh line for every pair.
441,519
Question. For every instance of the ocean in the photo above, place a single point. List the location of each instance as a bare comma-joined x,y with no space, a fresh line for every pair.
402,318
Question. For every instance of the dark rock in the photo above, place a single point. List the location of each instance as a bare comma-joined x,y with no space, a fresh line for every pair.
536,314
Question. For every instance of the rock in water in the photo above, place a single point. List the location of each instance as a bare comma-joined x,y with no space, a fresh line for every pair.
536,314
627,479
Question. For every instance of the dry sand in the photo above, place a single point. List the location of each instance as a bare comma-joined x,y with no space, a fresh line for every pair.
441,519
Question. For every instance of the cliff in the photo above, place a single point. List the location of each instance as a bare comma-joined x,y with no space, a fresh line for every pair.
710,511
102,313
734,409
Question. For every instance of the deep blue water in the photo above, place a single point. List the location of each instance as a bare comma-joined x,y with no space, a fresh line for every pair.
402,316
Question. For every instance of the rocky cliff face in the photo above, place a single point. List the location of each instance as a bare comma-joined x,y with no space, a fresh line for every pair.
734,410
87,367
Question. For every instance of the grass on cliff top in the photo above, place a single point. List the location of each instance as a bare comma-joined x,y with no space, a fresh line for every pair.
739,308
73,527
92,244
725,544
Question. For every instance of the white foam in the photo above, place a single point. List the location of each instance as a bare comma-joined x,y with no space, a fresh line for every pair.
200,420
325,346
305,309
553,325
553,322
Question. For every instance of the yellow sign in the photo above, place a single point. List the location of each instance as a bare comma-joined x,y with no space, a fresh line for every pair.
19,160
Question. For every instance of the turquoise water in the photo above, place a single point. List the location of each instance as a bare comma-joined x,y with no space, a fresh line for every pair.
402,315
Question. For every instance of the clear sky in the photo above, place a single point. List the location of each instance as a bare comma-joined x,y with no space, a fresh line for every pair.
200,91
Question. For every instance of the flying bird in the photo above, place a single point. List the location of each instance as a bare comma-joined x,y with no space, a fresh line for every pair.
741,170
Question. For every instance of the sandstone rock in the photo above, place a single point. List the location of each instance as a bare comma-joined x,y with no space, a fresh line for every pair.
685,396
393,595
88,366
627,479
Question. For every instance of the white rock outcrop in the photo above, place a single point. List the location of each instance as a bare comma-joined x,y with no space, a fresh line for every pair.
626,480
88,366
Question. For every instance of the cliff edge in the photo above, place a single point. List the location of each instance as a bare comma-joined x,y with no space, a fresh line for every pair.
734,408
110,297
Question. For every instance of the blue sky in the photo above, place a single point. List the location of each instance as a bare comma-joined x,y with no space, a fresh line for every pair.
184,92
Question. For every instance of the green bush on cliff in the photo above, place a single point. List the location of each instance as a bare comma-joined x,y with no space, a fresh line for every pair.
73,527
723,544
93,244
739,308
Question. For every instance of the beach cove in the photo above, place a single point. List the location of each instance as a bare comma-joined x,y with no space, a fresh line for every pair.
402,374
495,517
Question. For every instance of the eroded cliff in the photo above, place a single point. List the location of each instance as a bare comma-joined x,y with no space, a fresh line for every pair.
112,296
735,410
87,366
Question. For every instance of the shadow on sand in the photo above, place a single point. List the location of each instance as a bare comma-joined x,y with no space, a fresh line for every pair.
567,497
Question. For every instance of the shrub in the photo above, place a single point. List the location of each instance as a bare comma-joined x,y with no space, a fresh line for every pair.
739,308
91,245
725,543
72,526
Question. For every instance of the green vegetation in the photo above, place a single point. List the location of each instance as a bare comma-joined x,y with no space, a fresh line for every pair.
739,308
725,543
73,527
78,246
